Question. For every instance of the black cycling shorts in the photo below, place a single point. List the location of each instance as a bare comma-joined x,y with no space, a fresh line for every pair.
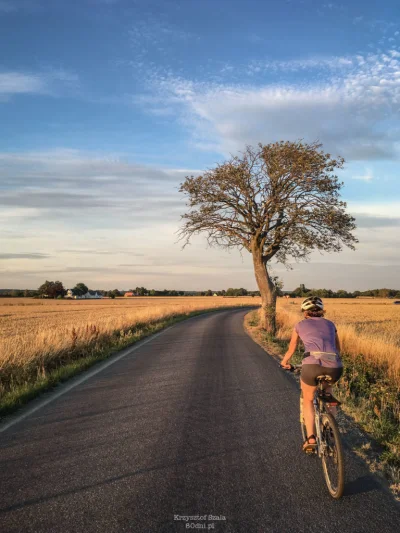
309,373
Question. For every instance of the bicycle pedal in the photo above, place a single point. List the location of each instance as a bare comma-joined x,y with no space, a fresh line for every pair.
311,451
330,401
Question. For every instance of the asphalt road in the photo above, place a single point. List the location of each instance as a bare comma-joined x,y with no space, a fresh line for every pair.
197,421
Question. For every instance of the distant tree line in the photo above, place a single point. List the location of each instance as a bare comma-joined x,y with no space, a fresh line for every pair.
55,289
302,291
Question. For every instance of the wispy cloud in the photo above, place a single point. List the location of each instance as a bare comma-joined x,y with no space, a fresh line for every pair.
58,183
155,34
369,221
13,6
23,256
367,176
48,81
18,83
346,109
296,65
114,252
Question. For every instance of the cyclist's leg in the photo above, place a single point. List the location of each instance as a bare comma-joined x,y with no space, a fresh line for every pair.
308,407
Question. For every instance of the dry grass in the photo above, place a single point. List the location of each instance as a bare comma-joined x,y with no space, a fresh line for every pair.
34,332
367,327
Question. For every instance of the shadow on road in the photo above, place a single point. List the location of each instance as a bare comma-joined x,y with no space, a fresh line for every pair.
361,485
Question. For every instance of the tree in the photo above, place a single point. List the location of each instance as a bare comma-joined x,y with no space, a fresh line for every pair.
52,289
113,294
80,289
279,201
341,293
140,291
15,293
383,293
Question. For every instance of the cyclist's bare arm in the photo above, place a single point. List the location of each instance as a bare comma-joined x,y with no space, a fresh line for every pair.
337,341
292,348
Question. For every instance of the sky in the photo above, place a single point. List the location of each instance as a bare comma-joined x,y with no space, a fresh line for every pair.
107,105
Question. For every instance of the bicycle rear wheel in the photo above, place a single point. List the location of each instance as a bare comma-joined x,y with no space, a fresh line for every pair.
302,424
332,457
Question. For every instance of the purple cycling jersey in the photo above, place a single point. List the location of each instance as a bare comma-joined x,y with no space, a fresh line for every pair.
318,335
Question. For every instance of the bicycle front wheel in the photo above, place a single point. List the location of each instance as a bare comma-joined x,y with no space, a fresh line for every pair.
332,457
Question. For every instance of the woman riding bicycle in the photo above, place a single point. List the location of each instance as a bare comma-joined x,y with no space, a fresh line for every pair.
321,357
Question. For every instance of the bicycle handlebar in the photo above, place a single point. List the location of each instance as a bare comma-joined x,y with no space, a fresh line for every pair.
293,368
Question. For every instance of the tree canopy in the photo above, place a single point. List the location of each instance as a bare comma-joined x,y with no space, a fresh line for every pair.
52,289
278,201
80,289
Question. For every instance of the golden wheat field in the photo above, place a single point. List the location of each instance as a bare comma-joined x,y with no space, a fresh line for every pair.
370,327
32,329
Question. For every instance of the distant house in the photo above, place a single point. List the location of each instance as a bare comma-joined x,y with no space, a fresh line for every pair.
129,294
93,296
88,296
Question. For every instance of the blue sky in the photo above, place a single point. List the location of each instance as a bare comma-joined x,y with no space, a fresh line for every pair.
106,105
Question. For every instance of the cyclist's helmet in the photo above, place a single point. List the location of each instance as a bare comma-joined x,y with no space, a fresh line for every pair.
312,303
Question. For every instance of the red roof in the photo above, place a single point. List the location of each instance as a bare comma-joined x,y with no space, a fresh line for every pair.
128,294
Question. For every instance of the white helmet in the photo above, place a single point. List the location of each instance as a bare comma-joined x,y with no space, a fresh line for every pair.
313,303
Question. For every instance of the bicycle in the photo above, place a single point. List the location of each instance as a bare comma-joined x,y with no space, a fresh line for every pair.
329,444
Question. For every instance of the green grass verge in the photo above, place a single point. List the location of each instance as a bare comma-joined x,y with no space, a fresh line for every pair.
367,396
21,389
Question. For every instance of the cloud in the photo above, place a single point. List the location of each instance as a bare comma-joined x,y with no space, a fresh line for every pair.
368,176
297,65
24,256
368,221
79,189
49,81
348,103
101,252
348,276
17,83
8,7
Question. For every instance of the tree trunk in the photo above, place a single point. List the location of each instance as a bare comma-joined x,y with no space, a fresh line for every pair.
267,291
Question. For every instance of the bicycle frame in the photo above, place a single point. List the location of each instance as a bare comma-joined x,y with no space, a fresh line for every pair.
321,445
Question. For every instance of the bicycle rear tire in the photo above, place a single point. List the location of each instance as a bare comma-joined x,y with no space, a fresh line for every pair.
332,456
